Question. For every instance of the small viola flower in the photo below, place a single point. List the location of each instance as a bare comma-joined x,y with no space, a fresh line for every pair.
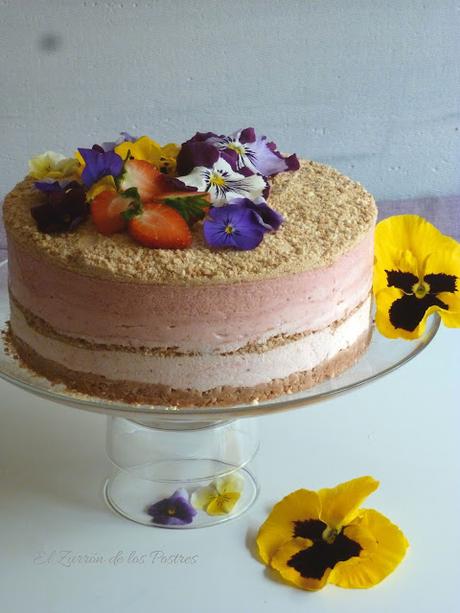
312,538
233,227
173,511
63,210
223,183
220,497
145,148
97,163
51,165
416,273
255,153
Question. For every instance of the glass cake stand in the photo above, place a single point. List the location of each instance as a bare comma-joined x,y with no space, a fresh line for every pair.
157,450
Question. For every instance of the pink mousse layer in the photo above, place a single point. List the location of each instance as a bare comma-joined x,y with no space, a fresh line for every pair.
203,318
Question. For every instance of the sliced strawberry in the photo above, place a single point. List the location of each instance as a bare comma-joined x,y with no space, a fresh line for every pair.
149,181
159,226
106,211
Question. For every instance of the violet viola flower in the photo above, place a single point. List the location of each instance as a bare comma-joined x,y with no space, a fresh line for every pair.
99,163
267,217
255,153
233,226
223,183
173,511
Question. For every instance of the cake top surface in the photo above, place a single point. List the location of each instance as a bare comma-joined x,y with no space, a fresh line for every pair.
325,214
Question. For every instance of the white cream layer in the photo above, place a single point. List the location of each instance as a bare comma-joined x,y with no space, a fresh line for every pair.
203,371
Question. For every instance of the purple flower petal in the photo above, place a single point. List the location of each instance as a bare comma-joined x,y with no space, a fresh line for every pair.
52,186
196,153
233,226
267,160
173,511
99,163
202,137
248,135
267,217
124,137
63,210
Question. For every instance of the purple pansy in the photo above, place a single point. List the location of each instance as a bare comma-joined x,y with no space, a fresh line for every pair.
99,163
253,152
63,210
173,511
270,219
236,227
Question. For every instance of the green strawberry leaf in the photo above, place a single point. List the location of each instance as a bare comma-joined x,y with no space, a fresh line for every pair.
135,207
192,208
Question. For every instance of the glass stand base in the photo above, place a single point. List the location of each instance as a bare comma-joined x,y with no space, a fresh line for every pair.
211,464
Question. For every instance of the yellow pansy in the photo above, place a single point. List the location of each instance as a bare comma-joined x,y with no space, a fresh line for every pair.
416,273
316,537
104,184
220,497
51,165
145,148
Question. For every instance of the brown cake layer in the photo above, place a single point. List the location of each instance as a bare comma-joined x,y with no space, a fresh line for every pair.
135,393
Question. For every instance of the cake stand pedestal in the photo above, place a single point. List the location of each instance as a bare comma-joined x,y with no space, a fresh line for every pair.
152,461
157,450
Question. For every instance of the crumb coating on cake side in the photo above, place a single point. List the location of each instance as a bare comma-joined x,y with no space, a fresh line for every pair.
325,213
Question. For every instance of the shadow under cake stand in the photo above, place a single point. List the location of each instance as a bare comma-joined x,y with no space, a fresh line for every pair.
156,450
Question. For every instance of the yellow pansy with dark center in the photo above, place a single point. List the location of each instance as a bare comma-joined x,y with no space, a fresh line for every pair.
416,273
315,537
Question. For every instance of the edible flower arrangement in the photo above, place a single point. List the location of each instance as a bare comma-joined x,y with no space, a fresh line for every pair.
157,193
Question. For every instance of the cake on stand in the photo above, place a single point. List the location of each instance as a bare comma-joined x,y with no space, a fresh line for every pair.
157,450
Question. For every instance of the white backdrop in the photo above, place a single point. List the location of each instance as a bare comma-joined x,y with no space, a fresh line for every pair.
371,87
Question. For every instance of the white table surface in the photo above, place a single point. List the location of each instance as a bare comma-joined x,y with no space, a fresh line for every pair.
403,429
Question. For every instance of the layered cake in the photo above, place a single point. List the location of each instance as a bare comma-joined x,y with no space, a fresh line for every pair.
258,294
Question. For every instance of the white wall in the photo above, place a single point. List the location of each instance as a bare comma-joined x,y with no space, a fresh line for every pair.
372,87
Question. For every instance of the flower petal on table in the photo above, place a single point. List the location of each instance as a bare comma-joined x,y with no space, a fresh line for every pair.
340,504
383,547
280,525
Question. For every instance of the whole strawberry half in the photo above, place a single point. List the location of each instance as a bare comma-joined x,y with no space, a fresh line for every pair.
148,180
161,227
106,211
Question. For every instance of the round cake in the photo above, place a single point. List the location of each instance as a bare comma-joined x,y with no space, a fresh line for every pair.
200,326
